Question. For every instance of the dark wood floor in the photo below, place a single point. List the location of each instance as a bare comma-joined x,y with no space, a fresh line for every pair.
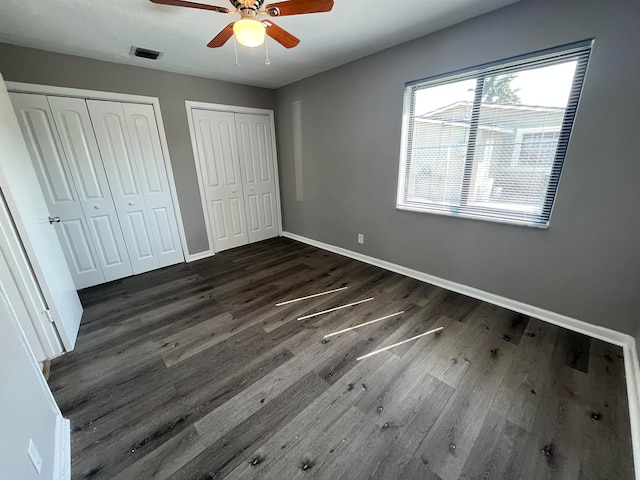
192,372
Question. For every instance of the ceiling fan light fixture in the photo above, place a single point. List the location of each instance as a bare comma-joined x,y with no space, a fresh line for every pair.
249,32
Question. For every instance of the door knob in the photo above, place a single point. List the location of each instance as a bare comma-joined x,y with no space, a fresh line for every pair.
130,204
251,189
53,220
233,190
97,207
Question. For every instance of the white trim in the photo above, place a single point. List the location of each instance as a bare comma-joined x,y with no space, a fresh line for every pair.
627,342
218,107
19,87
200,256
276,177
62,455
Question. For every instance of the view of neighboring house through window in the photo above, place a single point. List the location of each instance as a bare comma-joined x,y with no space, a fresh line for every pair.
489,143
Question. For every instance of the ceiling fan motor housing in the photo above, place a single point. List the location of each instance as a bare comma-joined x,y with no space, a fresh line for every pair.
248,13
245,5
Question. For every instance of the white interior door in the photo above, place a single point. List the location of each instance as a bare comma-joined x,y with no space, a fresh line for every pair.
257,168
217,146
19,281
149,161
83,158
56,182
115,147
28,207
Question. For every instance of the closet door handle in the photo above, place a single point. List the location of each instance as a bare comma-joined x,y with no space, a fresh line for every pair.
233,190
131,204
251,189
97,207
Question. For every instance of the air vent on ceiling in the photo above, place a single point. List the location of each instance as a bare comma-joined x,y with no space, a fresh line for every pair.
145,53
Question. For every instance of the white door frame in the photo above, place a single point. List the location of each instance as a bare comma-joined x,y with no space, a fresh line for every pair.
23,292
19,87
191,105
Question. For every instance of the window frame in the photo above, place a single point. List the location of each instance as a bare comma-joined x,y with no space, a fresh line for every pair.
579,52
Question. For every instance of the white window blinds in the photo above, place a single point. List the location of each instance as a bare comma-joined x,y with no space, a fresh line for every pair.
489,142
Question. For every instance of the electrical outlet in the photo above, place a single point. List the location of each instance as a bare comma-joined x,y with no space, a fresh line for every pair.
35,457
360,238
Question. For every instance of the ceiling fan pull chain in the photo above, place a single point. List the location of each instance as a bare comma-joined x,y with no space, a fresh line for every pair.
235,47
266,49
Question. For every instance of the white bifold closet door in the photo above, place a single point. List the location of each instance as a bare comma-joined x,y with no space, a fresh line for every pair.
236,164
127,136
101,168
65,155
220,171
258,179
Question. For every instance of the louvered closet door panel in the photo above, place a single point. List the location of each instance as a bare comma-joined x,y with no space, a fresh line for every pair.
149,161
83,158
115,148
257,166
58,187
216,141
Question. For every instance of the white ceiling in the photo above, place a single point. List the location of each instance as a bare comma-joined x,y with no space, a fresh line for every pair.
107,29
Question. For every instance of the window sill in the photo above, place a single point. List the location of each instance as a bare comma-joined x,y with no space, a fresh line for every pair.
410,208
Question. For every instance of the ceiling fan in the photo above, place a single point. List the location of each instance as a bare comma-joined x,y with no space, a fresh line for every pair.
248,30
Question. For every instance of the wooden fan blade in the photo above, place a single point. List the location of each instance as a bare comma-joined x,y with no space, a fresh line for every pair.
201,6
225,34
298,7
280,35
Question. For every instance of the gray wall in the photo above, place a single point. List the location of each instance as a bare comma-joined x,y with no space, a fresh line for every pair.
586,265
36,66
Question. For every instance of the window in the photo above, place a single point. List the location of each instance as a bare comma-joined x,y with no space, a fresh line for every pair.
489,142
536,148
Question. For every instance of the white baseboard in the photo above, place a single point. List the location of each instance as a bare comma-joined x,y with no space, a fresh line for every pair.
199,256
62,462
595,331
627,342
